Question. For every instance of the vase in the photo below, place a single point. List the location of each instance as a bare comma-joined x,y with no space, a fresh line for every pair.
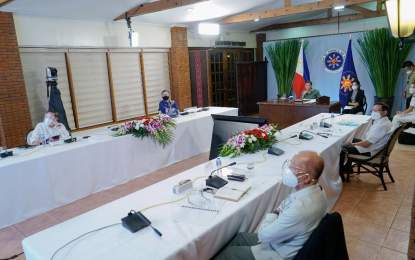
387,100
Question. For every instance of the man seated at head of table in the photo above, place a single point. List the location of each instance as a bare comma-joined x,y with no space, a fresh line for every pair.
309,92
375,138
167,106
407,116
49,127
284,232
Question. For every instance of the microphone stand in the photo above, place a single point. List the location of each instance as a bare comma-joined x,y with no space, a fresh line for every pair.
216,181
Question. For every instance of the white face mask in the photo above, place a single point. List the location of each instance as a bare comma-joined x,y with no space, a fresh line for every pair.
408,72
288,177
47,121
411,89
376,115
354,87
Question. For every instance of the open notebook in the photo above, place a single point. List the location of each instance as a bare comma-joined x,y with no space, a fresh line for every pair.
232,191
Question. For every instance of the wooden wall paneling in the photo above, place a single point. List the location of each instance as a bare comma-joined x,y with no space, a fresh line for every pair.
144,82
209,82
114,109
71,88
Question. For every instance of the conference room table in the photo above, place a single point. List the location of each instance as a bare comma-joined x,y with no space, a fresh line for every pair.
37,180
195,239
286,113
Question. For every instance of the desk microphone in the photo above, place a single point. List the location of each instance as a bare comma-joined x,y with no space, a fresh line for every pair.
313,133
277,151
334,116
216,181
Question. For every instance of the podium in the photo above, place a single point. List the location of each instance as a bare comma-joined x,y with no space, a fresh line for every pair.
286,113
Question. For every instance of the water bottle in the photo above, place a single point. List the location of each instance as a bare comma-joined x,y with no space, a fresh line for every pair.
218,163
42,138
332,119
322,121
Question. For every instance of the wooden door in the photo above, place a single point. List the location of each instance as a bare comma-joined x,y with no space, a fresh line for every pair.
222,74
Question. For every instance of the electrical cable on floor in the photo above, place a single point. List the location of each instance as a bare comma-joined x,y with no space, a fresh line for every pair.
13,256
82,236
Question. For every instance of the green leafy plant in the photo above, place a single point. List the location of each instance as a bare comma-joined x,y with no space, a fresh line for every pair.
383,60
284,56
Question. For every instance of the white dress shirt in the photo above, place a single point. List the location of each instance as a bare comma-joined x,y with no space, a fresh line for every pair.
41,128
377,135
283,236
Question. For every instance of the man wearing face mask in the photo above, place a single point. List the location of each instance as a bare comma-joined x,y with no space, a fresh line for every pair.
167,106
406,116
49,127
375,138
284,232
409,68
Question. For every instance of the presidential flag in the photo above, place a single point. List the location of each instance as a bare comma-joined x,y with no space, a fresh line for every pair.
301,73
348,76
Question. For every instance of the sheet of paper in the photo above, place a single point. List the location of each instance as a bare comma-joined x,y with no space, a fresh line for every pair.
348,107
410,130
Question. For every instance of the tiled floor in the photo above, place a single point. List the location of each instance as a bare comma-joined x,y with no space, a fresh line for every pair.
376,222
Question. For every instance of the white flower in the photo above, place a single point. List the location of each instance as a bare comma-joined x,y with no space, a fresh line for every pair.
141,125
253,138
263,134
249,140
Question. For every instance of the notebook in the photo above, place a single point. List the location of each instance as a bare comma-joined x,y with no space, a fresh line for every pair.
232,191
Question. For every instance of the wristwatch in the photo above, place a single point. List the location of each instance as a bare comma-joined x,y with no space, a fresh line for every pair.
276,212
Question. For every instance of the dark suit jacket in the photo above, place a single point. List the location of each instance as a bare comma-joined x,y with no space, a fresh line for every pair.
359,98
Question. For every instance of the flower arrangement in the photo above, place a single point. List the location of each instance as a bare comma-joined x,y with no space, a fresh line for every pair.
250,141
157,128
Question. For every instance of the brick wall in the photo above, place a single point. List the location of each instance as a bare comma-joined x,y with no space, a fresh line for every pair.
14,109
180,70
260,39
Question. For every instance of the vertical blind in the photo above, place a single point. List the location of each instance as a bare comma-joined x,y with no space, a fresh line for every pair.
157,76
128,84
34,64
91,87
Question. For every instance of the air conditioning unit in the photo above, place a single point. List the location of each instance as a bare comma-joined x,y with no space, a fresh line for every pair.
227,44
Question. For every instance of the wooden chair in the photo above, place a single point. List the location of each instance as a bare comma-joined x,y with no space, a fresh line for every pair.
28,135
378,162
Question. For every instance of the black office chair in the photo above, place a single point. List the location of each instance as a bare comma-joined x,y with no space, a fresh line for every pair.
28,135
364,107
225,126
327,242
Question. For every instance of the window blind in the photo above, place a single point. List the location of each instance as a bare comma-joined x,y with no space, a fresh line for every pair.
128,84
157,77
91,87
34,66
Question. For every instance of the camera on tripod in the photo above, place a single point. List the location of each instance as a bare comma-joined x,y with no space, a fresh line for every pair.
51,78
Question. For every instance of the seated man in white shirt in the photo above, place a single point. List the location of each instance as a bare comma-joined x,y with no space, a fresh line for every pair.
375,138
49,127
407,116
284,232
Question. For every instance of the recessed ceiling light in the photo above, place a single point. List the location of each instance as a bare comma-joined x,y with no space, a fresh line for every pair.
256,20
189,10
339,7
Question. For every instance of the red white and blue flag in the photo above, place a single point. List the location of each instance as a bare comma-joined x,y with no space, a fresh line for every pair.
302,73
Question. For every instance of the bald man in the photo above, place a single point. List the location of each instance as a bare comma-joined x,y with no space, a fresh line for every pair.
284,232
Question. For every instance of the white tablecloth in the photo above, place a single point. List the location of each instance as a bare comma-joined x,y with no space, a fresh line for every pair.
182,240
58,175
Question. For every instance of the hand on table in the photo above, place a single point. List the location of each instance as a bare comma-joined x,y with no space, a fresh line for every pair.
398,112
37,143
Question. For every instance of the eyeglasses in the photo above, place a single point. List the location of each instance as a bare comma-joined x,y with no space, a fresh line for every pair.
294,168
377,110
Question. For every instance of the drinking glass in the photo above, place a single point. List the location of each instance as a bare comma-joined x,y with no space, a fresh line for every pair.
250,165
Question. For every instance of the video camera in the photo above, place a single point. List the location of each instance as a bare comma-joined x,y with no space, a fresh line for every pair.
51,78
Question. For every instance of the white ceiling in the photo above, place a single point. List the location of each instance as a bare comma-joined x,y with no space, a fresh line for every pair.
212,11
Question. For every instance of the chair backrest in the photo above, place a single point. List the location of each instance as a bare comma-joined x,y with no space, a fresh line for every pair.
225,126
387,149
28,135
326,242
364,104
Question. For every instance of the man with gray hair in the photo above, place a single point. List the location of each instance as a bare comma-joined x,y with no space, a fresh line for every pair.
284,232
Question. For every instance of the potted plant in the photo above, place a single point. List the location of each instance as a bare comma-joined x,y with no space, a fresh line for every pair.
382,58
284,56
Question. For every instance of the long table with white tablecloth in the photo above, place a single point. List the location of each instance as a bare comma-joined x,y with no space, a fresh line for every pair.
35,181
192,241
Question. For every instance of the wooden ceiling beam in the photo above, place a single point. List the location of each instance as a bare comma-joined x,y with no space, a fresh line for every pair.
294,9
287,3
344,18
5,2
157,6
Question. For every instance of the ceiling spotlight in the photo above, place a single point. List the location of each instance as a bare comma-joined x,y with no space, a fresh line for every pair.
256,20
189,10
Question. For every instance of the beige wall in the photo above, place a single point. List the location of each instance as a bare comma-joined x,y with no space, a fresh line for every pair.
42,31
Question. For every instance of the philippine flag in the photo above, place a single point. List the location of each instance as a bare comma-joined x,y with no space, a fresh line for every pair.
301,73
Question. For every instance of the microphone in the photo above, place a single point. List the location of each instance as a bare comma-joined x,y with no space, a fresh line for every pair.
276,151
145,220
216,181
314,133
284,139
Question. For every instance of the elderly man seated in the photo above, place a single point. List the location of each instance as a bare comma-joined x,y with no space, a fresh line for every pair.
49,127
284,232
375,138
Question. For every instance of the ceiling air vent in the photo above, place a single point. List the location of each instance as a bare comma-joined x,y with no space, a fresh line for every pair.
228,44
